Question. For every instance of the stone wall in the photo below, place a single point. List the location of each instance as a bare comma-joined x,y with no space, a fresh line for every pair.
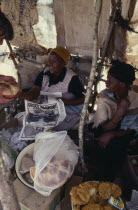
45,30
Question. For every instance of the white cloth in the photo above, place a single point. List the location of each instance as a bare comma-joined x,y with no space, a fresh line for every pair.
106,107
60,86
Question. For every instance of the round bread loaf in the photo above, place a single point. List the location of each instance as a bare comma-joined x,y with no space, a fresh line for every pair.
54,175
10,90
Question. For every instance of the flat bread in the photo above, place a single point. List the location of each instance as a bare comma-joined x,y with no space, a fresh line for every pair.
54,175
9,90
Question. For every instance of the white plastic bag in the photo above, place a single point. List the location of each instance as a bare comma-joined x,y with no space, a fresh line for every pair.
55,156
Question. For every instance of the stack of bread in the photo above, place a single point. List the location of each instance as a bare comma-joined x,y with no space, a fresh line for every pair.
54,175
94,195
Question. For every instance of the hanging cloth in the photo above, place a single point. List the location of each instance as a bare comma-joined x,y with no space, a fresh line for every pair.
22,14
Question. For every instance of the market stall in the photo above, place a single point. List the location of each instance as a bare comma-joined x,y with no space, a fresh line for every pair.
50,162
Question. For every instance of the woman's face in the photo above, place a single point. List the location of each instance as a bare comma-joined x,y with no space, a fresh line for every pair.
112,84
56,64
1,39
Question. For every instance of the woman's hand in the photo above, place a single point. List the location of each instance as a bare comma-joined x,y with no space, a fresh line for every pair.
65,101
73,102
31,94
23,96
10,80
105,139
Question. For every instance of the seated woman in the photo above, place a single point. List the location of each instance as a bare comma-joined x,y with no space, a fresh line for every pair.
57,78
116,119
6,30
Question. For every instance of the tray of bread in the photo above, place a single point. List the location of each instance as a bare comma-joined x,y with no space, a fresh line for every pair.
94,195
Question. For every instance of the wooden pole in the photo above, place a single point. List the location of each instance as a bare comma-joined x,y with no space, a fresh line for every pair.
98,7
11,51
108,37
8,198
14,61
106,44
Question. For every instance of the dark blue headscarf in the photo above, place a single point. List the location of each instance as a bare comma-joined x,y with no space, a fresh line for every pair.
122,71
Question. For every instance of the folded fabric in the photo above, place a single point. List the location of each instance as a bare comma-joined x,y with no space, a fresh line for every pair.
130,122
27,163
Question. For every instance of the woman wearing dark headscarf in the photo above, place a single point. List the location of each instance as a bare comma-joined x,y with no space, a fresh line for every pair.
116,95
116,117
6,30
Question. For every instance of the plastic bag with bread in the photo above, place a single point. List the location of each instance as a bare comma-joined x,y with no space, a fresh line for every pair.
55,156
54,175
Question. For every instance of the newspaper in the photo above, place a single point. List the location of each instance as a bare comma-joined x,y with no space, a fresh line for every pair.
42,116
